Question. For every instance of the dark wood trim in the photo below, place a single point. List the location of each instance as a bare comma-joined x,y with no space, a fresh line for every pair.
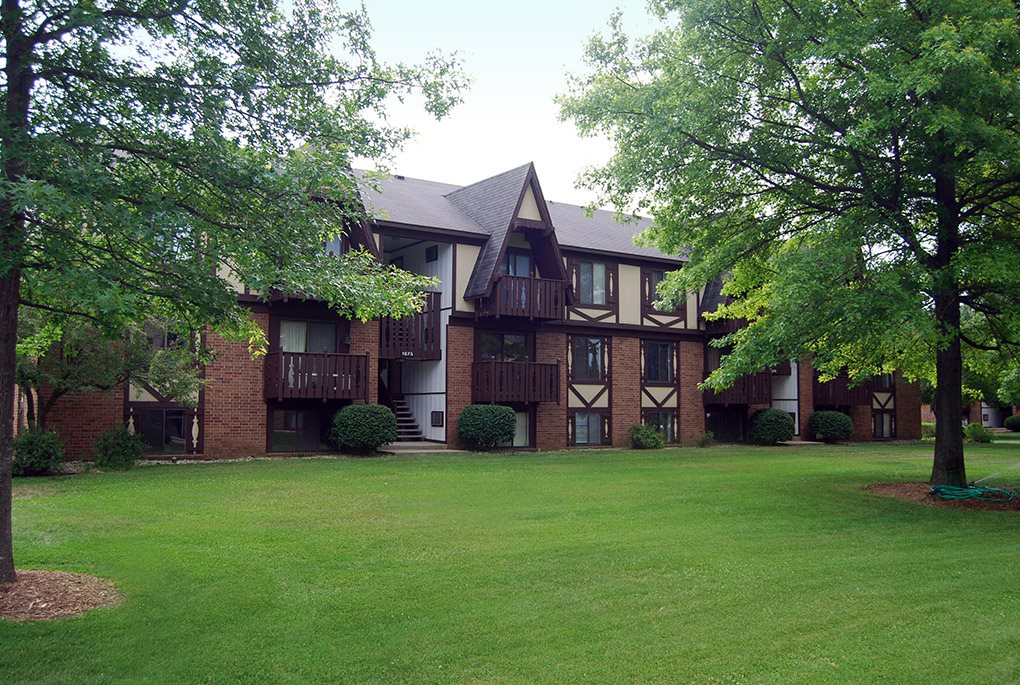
399,230
572,251
658,404
589,404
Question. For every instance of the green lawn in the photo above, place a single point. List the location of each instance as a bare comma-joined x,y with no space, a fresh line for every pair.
722,565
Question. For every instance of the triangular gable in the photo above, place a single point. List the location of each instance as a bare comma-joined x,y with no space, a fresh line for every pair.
502,204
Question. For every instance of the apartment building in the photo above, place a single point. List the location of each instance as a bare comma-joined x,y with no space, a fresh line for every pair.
539,306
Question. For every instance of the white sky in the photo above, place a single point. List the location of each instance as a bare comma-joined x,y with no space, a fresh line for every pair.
518,55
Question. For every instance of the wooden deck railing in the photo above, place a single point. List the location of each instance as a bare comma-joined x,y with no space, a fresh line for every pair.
412,337
532,298
325,376
753,389
838,393
493,381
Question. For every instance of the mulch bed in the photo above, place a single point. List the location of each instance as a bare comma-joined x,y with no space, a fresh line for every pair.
41,595
919,494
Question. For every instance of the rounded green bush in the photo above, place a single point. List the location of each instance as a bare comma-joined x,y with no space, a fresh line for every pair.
37,453
363,427
1012,423
975,432
830,426
486,425
645,437
771,426
118,448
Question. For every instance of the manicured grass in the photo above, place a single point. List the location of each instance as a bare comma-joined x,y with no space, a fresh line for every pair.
722,565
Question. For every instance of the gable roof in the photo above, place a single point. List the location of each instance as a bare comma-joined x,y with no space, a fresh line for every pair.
485,209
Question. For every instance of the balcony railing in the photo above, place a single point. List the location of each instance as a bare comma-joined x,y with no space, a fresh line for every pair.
753,389
493,381
412,337
523,296
724,326
838,393
325,376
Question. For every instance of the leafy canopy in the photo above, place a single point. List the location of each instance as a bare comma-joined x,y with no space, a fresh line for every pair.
844,164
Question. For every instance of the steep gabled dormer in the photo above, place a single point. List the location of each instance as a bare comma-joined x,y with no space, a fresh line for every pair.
519,271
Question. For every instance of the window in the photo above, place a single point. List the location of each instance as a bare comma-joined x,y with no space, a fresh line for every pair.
432,253
162,430
883,383
664,421
335,246
515,264
502,347
589,428
658,362
883,424
652,278
297,430
308,336
588,356
592,285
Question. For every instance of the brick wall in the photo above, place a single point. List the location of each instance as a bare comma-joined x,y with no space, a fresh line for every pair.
692,401
235,409
80,417
908,410
805,395
365,339
551,419
460,351
860,414
625,370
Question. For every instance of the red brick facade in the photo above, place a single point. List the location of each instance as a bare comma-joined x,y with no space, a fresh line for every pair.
692,401
625,392
908,410
805,395
550,418
460,351
80,418
365,340
235,411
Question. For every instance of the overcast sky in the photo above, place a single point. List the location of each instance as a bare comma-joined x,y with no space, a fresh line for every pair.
518,55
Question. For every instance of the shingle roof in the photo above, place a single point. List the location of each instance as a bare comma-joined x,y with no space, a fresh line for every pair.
418,202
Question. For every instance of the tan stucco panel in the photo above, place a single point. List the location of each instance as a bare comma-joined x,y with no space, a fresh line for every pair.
659,394
139,394
231,278
588,392
881,398
529,207
575,315
692,310
466,256
665,320
628,288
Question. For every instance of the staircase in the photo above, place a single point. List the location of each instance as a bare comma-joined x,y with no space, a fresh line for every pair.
407,427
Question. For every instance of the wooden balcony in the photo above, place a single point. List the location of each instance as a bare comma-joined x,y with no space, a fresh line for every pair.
838,393
504,382
526,297
724,326
321,376
753,389
412,337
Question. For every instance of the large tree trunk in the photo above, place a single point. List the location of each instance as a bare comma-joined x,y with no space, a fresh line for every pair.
947,467
8,338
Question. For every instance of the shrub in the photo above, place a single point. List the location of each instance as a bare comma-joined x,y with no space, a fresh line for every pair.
645,437
37,453
1012,423
363,427
927,429
771,426
830,426
975,432
706,440
486,425
118,448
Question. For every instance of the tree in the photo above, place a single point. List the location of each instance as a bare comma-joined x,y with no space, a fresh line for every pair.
152,148
855,168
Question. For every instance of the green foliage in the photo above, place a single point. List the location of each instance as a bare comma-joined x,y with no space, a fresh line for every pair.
363,427
830,426
927,430
771,426
707,439
1012,423
486,425
852,169
118,448
645,437
37,453
975,432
